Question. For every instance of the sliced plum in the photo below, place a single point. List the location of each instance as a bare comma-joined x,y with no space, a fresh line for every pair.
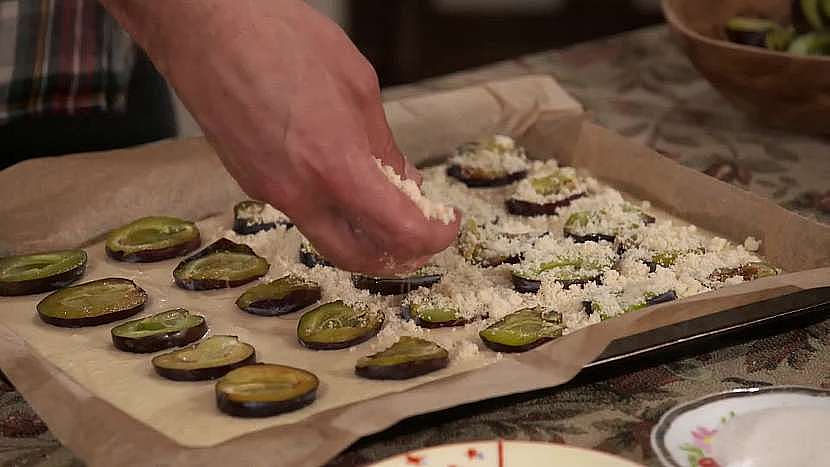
152,239
407,358
336,325
396,285
758,32
223,264
649,299
523,330
529,209
565,271
525,285
546,194
310,257
483,179
600,225
264,390
814,43
668,258
209,359
41,272
575,228
432,317
749,272
172,328
808,15
665,297
250,217
92,303
486,246
489,162
780,39
279,297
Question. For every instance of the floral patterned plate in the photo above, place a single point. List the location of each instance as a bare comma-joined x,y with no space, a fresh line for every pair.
684,436
505,454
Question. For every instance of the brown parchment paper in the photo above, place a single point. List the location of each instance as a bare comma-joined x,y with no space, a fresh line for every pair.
110,408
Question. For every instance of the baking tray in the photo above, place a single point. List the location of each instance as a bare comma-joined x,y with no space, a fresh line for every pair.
185,179
714,331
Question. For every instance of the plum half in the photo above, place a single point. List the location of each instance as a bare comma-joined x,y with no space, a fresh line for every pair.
222,264
335,325
407,358
814,43
749,272
432,317
41,272
279,297
152,239
264,390
597,226
759,32
92,303
209,359
395,285
172,328
565,271
482,179
310,257
489,162
648,299
523,330
250,217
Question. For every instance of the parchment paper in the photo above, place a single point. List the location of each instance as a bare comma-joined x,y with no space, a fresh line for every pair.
111,409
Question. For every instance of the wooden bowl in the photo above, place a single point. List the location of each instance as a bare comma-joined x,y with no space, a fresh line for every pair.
780,89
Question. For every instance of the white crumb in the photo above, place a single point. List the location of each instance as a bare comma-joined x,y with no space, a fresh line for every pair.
693,261
431,209
495,156
263,214
752,244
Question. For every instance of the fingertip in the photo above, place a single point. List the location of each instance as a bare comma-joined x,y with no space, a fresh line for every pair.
459,214
393,157
412,173
441,235
455,223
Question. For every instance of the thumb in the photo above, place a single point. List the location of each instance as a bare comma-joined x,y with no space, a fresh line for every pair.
387,151
383,146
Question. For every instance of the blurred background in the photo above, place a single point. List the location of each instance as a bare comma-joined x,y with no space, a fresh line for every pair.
410,40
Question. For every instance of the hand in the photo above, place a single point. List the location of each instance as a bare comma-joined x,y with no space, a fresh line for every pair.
294,111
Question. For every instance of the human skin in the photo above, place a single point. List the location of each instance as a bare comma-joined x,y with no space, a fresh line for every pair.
294,112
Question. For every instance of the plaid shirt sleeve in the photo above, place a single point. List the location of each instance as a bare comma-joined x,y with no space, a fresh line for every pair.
61,57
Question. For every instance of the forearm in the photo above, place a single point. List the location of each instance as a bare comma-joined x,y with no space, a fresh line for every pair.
188,40
154,25
197,26
219,56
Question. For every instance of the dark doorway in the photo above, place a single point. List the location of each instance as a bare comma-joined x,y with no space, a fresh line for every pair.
408,40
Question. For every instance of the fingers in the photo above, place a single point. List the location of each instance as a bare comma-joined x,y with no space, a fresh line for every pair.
349,247
381,140
384,148
367,225
353,250
393,221
359,220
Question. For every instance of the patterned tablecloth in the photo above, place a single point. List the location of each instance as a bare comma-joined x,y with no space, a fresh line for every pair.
641,85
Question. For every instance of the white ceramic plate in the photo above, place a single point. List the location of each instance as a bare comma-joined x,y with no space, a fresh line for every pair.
684,435
505,454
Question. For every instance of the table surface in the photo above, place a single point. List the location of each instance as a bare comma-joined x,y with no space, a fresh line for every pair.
641,85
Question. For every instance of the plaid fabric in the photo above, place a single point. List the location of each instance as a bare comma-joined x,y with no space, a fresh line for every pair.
61,57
